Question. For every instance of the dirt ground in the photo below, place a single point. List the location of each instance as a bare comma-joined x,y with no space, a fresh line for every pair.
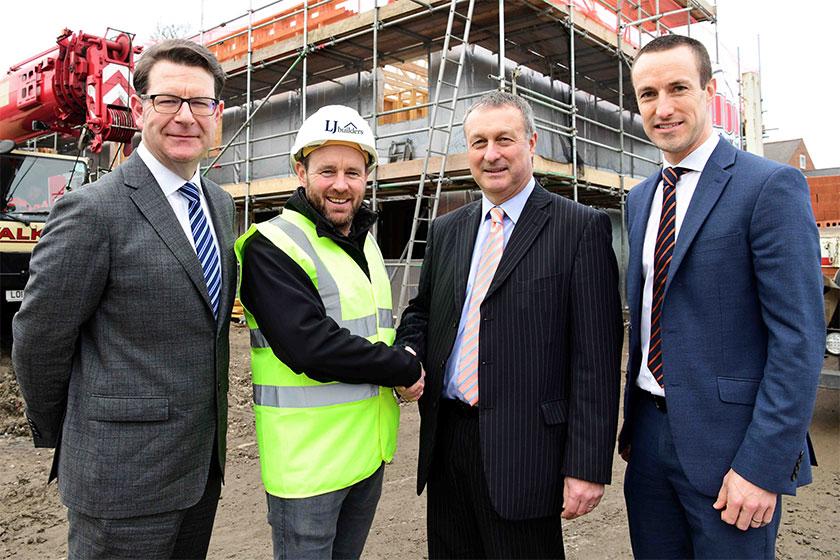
33,521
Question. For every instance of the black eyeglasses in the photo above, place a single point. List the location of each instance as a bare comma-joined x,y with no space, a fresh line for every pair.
170,104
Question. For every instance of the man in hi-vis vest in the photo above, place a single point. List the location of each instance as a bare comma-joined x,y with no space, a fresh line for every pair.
317,299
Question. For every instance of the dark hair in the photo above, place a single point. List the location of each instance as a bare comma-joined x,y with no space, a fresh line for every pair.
501,99
178,51
668,42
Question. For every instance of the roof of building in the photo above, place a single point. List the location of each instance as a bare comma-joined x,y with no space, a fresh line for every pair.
827,171
782,150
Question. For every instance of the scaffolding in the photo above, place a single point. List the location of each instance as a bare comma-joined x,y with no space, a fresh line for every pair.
569,58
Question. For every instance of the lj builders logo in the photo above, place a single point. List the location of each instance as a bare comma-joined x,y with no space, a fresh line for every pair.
349,128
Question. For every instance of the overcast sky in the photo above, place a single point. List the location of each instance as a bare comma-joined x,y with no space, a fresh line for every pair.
798,63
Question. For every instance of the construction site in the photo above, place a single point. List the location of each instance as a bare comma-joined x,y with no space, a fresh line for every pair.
412,68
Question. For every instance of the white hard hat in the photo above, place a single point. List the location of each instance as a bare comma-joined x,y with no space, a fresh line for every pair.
335,124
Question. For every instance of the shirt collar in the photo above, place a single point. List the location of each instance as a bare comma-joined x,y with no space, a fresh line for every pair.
513,206
168,180
696,160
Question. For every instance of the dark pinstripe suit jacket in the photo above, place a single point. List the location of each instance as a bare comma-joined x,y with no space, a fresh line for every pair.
549,350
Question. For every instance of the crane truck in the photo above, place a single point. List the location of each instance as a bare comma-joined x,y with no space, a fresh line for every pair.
79,88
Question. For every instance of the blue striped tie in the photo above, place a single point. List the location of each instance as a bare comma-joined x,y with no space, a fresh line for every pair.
204,246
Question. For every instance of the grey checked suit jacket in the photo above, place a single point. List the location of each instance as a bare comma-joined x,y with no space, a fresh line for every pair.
119,359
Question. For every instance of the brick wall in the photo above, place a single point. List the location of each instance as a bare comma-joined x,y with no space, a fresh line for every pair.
825,199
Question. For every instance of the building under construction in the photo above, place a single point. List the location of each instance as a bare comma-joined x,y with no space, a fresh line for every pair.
411,68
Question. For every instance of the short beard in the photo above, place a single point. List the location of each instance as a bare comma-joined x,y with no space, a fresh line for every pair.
319,204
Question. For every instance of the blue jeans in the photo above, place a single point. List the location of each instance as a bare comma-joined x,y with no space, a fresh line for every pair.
332,525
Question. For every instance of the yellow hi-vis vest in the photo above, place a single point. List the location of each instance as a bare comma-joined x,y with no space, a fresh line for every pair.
318,437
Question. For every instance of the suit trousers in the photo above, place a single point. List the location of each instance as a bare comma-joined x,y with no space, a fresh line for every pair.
331,525
461,519
668,517
173,534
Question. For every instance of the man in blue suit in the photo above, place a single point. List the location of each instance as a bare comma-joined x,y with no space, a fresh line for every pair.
725,299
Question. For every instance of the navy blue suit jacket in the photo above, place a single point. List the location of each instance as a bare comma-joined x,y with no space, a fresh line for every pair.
742,322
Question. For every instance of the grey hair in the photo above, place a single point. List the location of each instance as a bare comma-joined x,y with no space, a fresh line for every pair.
501,99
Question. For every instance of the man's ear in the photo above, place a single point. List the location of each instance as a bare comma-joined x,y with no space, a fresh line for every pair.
300,171
711,90
136,105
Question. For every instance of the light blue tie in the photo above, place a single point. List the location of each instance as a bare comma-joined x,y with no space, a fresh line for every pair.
204,247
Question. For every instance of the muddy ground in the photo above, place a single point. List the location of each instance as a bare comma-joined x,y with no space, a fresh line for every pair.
33,521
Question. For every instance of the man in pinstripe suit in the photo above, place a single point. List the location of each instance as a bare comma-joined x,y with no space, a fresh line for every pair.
517,320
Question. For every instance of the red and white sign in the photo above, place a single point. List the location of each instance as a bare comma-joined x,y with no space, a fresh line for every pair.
115,85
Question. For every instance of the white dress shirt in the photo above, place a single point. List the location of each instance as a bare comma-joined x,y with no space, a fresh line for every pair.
695,162
169,183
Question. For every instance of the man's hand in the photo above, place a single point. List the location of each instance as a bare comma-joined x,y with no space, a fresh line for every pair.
744,504
580,497
414,392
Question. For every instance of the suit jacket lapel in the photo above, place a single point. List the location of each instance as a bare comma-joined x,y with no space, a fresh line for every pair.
218,205
465,235
531,222
713,180
149,199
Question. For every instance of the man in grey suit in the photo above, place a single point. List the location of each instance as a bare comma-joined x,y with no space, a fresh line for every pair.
121,344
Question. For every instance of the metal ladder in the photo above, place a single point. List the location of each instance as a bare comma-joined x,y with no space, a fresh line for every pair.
440,124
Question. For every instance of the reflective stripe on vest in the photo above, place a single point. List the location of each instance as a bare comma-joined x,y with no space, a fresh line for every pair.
386,321
386,318
327,286
258,340
313,395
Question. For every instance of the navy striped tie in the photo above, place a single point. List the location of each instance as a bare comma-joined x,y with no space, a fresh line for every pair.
666,239
208,256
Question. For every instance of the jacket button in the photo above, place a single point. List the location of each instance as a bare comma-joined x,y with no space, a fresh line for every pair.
33,427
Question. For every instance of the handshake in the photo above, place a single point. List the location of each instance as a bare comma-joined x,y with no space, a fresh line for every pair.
414,392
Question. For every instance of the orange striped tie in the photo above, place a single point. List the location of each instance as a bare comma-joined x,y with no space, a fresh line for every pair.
491,254
666,239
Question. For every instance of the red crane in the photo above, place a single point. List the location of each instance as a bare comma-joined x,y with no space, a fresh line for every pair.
80,86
